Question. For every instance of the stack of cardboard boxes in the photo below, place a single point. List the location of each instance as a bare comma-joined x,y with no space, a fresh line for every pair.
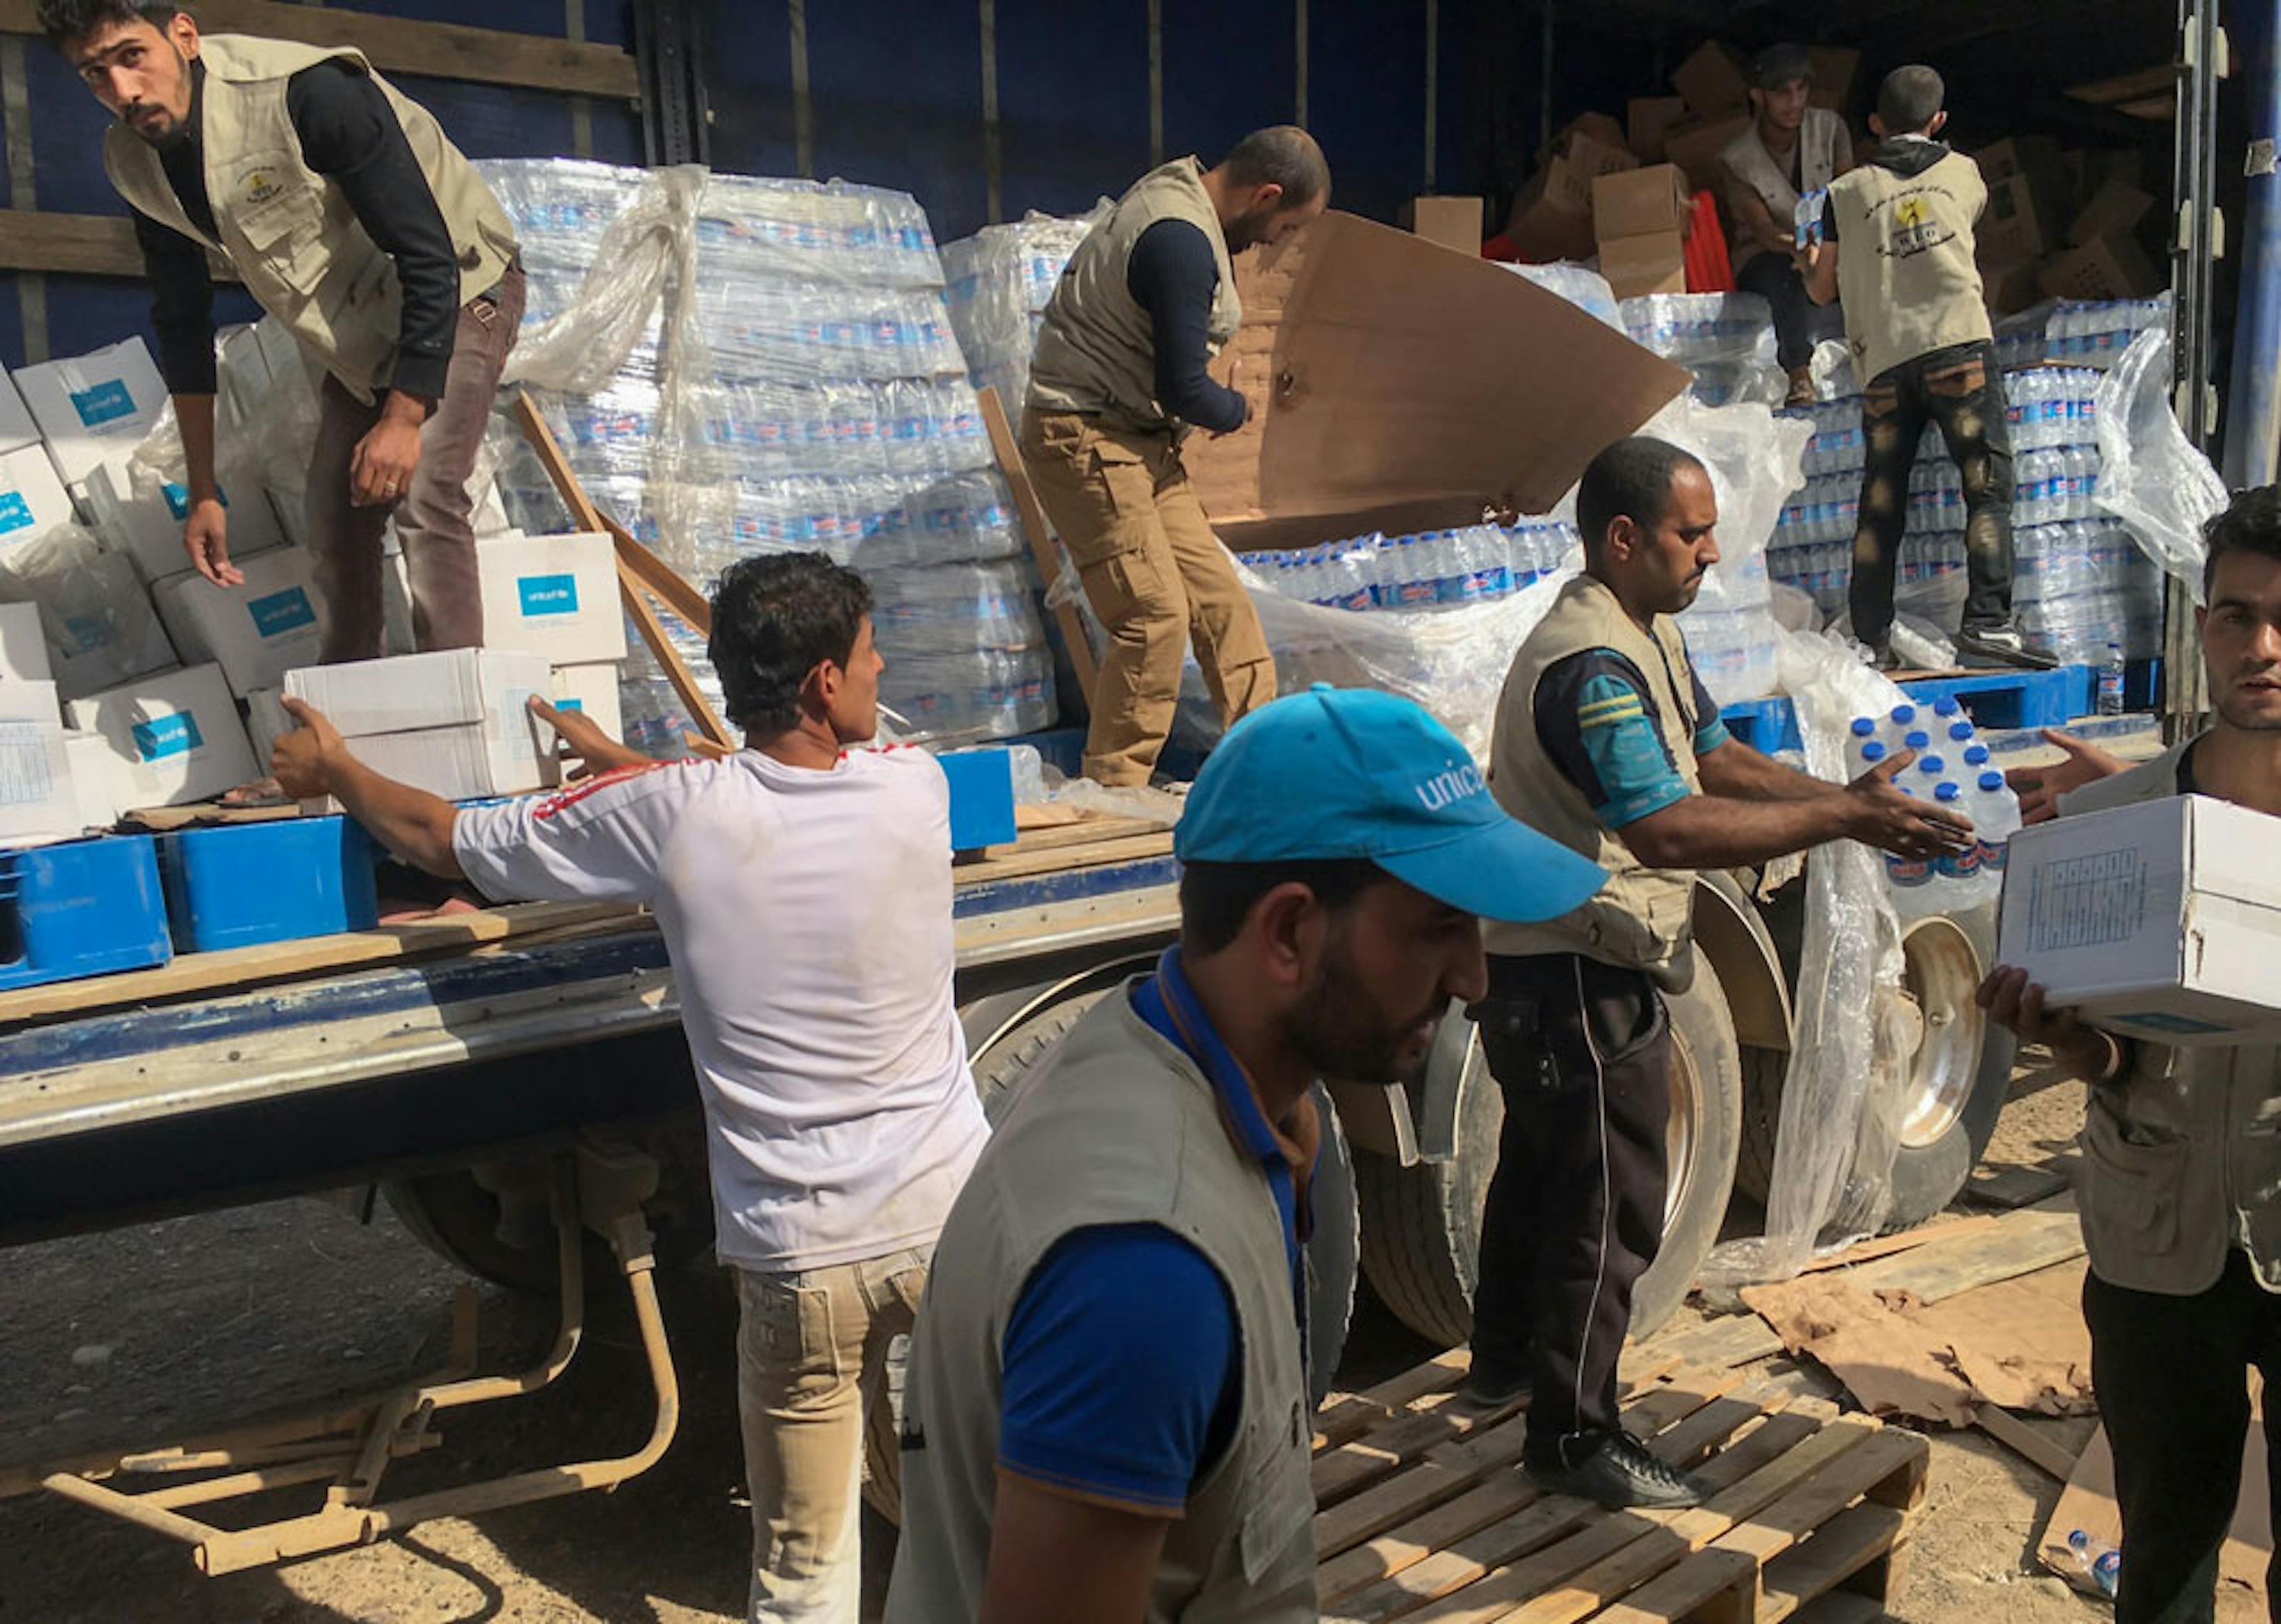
1640,218
1552,217
2063,225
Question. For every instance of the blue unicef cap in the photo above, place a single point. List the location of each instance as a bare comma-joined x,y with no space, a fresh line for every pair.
1352,772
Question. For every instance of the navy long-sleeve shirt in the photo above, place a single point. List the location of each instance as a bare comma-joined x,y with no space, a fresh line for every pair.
351,136
1172,275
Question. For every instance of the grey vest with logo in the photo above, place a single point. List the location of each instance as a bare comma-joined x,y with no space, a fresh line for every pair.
1117,1126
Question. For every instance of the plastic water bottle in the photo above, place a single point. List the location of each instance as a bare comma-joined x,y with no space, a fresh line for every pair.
1955,873
2110,682
1860,738
1995,813
2102,1561
1910,880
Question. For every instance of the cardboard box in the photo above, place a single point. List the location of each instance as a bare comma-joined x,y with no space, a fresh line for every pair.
1454,222
266,720
1695,147
30,701
2009,289
23,650
1542,229
552,595
456,723
97,779
1646,119
1640,202
1595,127
2114,209
2160,921
176,736
17,428
592,690
1834,69
2035,155
97,621
33,502
37,801
1569,177
2106,267
256,632
93,406
1711,82
2016,224
1654,262
142,515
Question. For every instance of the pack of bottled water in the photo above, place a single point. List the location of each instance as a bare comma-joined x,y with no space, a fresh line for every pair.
1730,628
1429,571
2084,589
2052,406
999,283
2095,335
1697,329
819,401
1585,289
1951,768
1836,446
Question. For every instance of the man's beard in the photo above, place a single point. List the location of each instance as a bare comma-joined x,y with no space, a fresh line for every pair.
1342,1029
1249,230
174,131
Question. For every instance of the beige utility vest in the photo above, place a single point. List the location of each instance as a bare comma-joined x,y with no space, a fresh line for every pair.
1117,1126
1097,350
2182,1154
287,229
1640,918
1905,261
1823,140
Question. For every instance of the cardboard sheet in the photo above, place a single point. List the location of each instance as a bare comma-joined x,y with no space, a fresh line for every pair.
1394,382
2089,1505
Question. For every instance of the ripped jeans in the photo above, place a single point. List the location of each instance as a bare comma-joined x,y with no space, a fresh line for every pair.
1961,389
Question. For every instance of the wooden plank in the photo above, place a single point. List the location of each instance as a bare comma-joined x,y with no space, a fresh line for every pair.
83,245
1839,1549
396,45
2023,1440
238,968
2018,1185
1023,865
1838,1607
1038,533
1907,1240
1090,829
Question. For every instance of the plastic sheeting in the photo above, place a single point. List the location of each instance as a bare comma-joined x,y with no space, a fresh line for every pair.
96,618
2150,477
1580,285
1000,281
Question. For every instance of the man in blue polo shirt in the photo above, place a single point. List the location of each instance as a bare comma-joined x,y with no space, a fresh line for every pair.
1108,1410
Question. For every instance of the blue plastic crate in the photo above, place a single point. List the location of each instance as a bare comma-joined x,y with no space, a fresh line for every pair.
239,884
85,907
981,797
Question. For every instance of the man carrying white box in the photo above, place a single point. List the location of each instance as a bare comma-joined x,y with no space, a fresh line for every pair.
2180,1188
803,890
355,222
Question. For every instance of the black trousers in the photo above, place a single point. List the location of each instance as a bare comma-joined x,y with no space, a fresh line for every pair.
1961,389
1799,324
2172,1377
1581,1053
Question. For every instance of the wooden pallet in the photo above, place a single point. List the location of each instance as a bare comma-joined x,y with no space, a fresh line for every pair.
1424,1512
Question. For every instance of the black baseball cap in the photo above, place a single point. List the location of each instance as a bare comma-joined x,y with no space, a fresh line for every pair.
1780,64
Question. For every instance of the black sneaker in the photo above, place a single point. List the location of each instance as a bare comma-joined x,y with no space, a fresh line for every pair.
1987,647
1620,1474
1486,1390
1881,658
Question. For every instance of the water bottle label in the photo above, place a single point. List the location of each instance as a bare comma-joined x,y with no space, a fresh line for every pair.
1415,594
1907,873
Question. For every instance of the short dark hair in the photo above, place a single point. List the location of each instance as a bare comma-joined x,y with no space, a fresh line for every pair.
1780,64
1909,99
1215,898
1281,155
2251,523
1631,479
776,618
72,20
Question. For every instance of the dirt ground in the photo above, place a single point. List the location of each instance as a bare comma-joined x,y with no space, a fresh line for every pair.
148,1334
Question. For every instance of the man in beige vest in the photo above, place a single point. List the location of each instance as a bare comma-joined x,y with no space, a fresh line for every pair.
1607,741
2181,1185
1900,247
1107,1410
354,221
1118,380
1791,150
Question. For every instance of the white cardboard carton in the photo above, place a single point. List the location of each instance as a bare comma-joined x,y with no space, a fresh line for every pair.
30,701
23,650
2160,921
552,595
93,406
456,723
98,779
33,502
177,737
592,690
96,619
17,428
256,632
142,515
37,801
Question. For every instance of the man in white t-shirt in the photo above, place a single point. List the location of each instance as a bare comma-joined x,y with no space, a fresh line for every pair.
803,890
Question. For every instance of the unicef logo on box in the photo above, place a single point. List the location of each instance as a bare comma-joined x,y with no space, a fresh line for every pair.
164,736
543,595
281,612
106,403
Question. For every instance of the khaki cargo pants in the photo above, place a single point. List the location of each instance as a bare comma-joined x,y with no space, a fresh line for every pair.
1156,577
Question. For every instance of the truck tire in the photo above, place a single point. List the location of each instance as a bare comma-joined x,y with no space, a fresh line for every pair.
1960,1081
1422,1225
1333,1250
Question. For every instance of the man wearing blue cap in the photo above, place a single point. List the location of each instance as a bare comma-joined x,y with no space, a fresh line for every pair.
1107,1416
1607,741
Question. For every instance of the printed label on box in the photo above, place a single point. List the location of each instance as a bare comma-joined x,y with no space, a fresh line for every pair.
2085,902
85,633
178,498
548,594
106,403
165,736
15,512
281,612
24,779
577,705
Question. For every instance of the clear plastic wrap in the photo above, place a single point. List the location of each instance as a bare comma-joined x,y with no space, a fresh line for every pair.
1000,281
100,628
1693,329
1843,1096
1580,284
2151,475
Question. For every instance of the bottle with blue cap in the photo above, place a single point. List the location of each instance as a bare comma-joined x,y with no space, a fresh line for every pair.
1860,738
1995,813
1910,879
1957,874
